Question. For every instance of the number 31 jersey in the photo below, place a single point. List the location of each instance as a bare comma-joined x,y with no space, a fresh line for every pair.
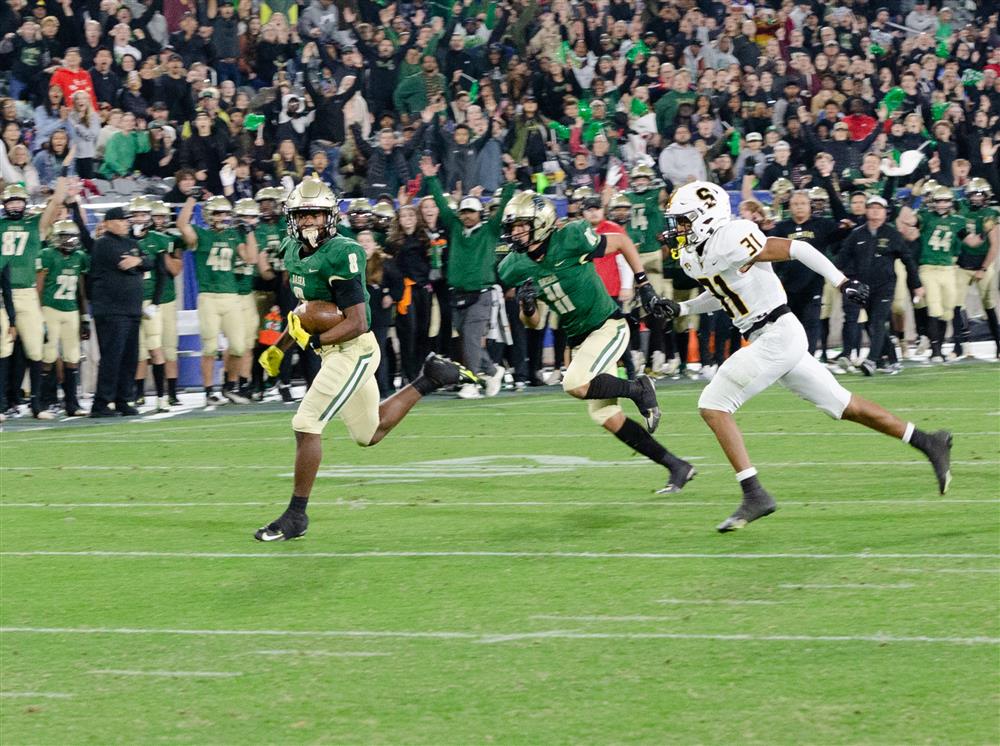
745,296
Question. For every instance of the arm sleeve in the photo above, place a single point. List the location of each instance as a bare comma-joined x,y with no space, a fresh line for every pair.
704,303
347,293
814,259
8,295
625,274
161,276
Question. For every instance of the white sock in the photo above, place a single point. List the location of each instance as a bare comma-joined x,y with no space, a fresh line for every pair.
746,474
908,433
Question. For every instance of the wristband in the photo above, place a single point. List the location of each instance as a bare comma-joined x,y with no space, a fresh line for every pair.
314,342
640,278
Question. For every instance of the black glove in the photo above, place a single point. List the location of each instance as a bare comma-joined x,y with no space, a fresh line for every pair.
242,228
85,329
666,309
855,291
196,192
527,294
647,296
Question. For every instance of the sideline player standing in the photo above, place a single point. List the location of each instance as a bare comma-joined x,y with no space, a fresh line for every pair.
327,267
725,256
559,263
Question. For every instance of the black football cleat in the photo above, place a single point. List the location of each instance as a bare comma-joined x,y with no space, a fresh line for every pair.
443,372
939,453
288,526
757,504
649,408
680,475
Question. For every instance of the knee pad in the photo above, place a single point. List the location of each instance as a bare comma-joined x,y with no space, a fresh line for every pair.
600,411
209,346
301,423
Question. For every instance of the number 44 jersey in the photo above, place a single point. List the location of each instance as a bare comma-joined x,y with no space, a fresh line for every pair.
746,296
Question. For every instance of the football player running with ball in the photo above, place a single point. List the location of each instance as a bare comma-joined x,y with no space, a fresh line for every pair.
323,266
730,259
558,264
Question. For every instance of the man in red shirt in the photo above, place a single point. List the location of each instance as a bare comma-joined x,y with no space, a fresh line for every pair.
71,78
616,275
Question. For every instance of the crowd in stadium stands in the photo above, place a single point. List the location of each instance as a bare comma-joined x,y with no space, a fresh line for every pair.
869,130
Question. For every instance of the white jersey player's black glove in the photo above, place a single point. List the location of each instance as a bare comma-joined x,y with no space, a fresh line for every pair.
667,309
855,291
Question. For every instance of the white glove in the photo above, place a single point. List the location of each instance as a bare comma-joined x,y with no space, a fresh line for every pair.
149,311
227,176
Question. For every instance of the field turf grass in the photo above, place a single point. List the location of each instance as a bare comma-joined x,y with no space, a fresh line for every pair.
501,571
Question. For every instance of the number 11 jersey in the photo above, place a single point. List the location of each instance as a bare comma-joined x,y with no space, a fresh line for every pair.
745,296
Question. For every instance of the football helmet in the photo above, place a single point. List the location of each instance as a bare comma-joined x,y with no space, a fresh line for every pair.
782,189
695,211
247,212
359,214
218,212
269,199
140,216
978,192
942,200
312,196
534,210
12,193
820,199
65,236
619,209
382,215
926,189
641,171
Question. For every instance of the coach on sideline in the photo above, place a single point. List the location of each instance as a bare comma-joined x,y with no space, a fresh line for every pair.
117,266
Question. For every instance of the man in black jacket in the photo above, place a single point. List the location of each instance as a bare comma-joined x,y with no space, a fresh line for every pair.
867,255
116,279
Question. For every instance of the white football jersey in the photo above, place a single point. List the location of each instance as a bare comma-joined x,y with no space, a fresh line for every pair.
745,296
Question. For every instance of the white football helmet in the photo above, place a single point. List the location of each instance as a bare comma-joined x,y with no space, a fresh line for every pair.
695,211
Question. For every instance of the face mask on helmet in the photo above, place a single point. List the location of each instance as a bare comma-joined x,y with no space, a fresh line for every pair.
977,199
160,222
519,238
677,233
359,220
220,219
314,234
139,223
14,209
67,243
641,183
268,213
942,206
620,215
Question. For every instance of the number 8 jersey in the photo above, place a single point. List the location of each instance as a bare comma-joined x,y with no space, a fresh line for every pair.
715,264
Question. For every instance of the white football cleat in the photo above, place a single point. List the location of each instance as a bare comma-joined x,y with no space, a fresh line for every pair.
494,382
469,391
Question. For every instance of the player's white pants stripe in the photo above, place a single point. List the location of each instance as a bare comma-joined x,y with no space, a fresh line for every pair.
610,351
352,383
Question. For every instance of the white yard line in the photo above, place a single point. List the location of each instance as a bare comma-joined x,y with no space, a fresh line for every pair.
35,695
847,586
320,653
948,571
292,555
714,601
167,674
558,504
488,637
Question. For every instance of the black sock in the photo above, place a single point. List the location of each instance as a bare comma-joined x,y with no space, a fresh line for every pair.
750,484
993,324
4,373
920,318
824,334
607,386
243,382
635,437
208,391
159,370
172,387
35,373
140,387
297,504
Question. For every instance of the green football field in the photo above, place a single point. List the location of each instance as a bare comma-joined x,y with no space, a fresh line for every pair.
502,571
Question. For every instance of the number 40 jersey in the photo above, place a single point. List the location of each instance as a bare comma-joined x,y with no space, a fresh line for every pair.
745,296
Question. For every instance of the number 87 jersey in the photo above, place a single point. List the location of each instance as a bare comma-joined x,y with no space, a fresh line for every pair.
717,264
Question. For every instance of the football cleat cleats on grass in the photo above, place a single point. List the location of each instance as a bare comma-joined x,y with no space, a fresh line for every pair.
288,526
649,408
495,382
235,396
443,372
286,394
939,453
679,476
757,504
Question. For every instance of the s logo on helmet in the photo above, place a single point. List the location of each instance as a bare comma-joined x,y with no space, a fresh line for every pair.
706,195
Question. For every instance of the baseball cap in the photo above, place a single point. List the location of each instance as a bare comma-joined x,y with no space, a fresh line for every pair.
876,200
115,213
470,203
840,126
782,145
754,137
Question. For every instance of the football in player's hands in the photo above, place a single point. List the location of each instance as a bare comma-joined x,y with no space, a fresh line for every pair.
317,316
855,291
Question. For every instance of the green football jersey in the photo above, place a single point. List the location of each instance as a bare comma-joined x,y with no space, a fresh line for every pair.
21,244
215,256
566,278
154,244
245,274
979,221
940,237
646,221
62,277
320,275
269,238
